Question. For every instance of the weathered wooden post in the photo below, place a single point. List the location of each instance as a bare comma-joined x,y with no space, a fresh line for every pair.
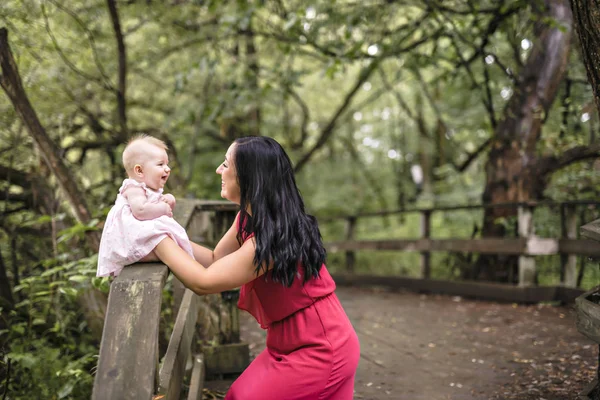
425,235
588,314
218,313
526,231
350,254
568,218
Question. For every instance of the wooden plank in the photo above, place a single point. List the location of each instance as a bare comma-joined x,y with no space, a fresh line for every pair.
568,294
588,391
231,358
480,290
537,246
178,289
199,229
463,207
588,316
526,231
179,350
583,247
184,214
591,230
533,247
129,347
569,261
197,379
425,234
485,246
184,209
216,205
350,255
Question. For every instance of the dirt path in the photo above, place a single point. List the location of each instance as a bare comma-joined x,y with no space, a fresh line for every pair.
418,347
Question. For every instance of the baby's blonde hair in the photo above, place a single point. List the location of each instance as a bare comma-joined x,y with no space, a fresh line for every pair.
132,154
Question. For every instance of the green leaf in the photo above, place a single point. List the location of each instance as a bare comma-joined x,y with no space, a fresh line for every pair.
20,329
23,303
26,360
66,390
52,271
69,291
290,22
79,278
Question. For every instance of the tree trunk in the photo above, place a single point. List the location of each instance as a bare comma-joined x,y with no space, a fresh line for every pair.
122,56
512,167
248,123
10,80
92,302
586,16
7,301
253,116
425,155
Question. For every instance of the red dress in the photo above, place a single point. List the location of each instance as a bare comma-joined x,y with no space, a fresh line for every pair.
312,349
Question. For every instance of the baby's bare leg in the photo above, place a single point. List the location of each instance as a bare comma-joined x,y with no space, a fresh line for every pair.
150,258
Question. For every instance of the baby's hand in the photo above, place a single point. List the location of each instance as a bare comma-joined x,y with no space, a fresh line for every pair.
170,200
168,211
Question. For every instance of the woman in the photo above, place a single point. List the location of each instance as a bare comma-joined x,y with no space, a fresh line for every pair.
274,252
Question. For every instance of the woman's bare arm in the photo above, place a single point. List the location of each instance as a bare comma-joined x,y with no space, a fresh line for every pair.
229,272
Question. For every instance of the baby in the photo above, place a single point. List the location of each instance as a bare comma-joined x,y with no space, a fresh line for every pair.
142,215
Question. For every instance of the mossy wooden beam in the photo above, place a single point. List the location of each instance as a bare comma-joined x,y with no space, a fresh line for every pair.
128,362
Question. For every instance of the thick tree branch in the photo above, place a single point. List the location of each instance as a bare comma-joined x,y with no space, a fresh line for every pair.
106,84
494,24
488,100
305,118
88,34
399,99
370,179
409,31
10,80
329,128
551,164
585,15
122,54
472,156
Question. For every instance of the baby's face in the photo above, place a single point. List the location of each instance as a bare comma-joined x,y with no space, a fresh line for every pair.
155,167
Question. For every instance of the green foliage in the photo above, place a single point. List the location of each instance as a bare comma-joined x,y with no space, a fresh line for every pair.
47,341
199,73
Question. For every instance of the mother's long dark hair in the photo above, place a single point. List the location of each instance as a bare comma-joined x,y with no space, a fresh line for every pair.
284,233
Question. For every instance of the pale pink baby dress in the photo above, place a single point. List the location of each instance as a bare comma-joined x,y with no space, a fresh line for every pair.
126,239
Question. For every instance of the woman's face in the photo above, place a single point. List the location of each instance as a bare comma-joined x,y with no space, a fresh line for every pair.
230,189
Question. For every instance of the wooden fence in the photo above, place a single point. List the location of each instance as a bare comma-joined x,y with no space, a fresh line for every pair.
128,365
527,246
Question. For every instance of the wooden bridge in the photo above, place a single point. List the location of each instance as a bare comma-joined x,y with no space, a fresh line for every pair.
135,361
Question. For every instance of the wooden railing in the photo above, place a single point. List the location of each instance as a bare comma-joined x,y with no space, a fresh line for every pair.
128,365
527,246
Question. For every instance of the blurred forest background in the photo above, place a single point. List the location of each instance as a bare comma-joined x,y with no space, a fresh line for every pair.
380,104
